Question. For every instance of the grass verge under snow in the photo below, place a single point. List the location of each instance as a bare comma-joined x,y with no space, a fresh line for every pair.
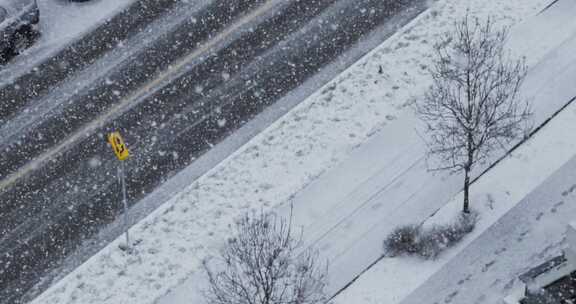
314,137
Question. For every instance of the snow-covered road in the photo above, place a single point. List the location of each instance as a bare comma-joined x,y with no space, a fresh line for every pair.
312,140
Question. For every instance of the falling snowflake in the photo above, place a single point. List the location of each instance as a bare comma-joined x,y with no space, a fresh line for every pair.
94,162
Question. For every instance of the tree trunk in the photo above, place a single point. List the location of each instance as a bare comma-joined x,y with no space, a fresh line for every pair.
466,206
467,168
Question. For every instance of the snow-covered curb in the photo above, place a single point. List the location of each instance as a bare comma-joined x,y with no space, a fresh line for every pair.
311,139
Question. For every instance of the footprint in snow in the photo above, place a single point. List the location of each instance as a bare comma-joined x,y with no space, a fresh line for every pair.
450,297
467,278
488,265
499,251
495,283
565,193
522,235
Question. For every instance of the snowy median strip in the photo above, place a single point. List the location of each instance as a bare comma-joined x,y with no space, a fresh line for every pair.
314,137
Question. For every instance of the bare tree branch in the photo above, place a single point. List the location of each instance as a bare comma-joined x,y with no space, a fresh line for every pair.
472,107
264,264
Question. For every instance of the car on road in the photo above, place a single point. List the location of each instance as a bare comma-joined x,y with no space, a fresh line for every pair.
18,26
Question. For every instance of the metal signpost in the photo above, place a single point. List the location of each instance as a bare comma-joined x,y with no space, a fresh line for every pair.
121,152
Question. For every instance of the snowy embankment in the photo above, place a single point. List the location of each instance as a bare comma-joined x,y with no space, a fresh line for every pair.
63,21
312,139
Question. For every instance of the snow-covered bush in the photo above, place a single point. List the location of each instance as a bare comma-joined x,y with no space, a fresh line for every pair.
403,240
431,243
428,244
465,223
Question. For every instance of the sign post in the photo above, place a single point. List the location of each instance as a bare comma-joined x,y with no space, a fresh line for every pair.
121,152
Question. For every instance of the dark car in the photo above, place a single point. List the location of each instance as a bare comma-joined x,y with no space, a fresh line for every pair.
18,26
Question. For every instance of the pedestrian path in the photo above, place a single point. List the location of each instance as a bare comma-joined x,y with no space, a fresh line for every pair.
386,183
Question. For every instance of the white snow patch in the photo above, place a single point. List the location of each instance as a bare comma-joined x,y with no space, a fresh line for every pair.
61,22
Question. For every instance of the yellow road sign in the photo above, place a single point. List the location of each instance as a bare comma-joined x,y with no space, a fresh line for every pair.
115,139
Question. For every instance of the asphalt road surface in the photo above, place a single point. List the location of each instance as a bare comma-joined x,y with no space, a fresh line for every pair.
174,99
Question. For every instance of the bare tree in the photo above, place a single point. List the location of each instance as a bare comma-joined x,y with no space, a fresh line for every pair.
472,107
265,264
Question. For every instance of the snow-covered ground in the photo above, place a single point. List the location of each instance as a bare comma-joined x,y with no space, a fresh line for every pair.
502,188
310,141
508,184
61,22
526,236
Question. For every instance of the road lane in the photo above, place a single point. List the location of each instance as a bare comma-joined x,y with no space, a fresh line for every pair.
144,108
117,89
